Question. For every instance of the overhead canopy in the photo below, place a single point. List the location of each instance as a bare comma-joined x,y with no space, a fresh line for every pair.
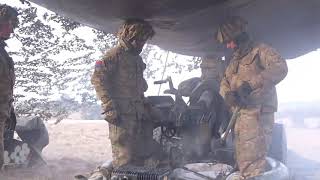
188,26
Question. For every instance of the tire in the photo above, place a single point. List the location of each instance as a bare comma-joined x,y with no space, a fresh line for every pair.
278,148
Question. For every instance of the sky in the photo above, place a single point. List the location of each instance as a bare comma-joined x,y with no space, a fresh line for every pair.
300,85
302,82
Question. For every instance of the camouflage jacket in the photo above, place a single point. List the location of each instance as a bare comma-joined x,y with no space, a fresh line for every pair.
118,80
7,75
262,67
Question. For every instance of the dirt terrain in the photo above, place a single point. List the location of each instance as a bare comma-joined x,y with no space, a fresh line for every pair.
75,147
79,146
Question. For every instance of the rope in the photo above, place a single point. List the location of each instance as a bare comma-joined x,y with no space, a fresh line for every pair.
164,70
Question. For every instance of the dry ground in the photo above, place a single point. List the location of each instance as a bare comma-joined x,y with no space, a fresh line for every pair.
304,153
79,146
75,147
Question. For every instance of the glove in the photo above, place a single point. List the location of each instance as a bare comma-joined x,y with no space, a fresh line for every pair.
244,90
231,99
243,93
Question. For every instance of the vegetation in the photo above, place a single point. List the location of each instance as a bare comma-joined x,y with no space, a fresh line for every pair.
54,58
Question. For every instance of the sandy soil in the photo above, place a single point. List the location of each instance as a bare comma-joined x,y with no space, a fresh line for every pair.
76,147
79,146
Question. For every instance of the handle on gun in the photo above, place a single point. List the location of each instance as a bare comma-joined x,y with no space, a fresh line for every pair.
170,83
231,124
160,82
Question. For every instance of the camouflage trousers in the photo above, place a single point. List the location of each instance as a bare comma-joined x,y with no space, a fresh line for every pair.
5,109
132,143
253,134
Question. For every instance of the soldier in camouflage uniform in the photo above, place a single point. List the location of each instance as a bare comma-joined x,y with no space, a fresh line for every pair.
257,67
119,84
8,21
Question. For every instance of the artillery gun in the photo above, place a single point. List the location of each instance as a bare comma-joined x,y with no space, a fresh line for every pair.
178,132
187,129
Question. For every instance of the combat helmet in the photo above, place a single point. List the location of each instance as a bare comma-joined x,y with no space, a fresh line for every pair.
8,13
135,29
231,29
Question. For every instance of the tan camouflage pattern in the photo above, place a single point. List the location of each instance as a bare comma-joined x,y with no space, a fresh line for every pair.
134,29
120,86
263,68
132,143
7,81
253,133
231,28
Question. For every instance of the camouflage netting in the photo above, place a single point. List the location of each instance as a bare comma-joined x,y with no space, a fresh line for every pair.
188,27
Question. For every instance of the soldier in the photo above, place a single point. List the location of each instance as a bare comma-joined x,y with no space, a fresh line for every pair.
256,68
8,21
119,84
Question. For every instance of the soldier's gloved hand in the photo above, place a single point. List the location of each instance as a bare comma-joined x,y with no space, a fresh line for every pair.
243,93
111,116
244,90
231,99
